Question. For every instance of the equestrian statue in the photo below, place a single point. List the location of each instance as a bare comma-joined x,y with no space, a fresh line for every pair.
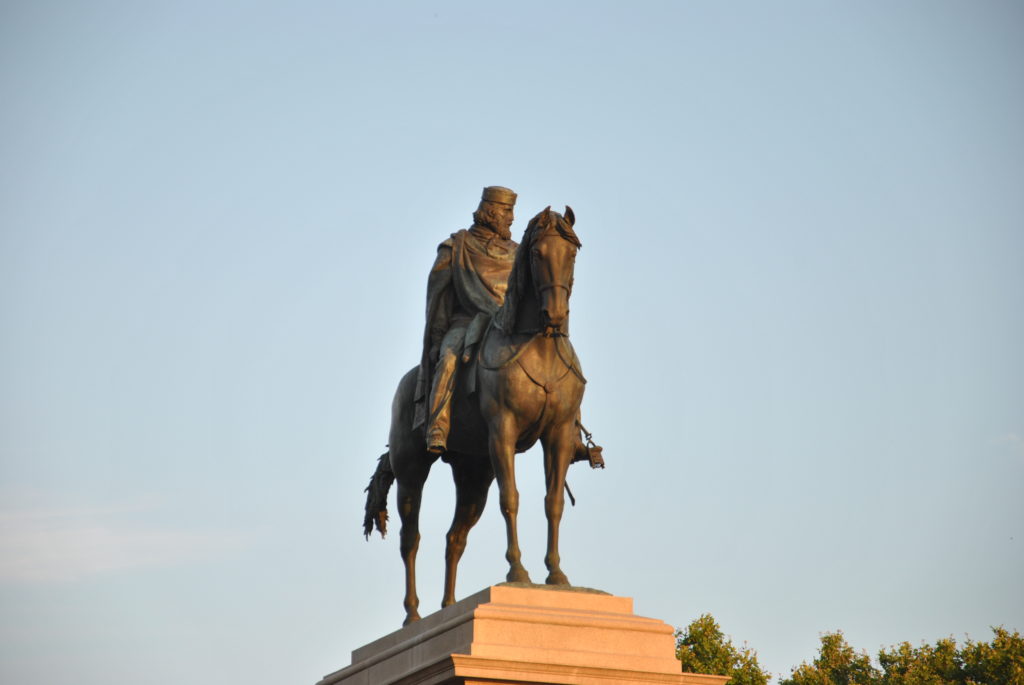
497,374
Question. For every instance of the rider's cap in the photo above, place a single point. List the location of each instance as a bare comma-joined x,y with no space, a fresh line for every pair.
499,194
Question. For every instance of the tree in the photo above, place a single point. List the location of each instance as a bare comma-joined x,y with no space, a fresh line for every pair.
976,663
837,664
1000,662
903,664
703,648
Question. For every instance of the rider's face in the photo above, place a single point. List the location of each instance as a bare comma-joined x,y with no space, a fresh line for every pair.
504,216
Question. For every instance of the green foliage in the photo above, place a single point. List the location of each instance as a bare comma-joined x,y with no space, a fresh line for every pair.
976,663
924,665
1000,662
703,648
837,664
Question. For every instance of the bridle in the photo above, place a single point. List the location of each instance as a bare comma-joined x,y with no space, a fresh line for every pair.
549,286
567,287
547,330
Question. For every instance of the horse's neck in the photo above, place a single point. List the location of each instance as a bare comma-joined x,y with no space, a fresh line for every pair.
528,314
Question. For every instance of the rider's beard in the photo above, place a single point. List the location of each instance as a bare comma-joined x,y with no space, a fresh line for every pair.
497,223
502,229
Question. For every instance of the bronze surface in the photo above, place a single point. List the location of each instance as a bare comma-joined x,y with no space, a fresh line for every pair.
501,375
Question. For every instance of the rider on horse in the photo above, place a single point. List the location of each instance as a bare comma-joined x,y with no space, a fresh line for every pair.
466,287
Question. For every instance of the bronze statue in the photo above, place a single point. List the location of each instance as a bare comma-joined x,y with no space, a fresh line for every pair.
517,380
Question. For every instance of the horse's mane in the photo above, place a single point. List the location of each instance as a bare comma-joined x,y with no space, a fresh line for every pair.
521,278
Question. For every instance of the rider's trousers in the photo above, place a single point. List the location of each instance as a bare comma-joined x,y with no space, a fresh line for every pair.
440,417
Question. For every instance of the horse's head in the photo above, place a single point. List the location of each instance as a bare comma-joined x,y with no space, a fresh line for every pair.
552,246
541,280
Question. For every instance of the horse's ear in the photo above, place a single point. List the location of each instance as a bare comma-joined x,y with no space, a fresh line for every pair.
570,216
547,212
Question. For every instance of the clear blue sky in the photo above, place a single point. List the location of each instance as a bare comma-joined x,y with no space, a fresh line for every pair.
800,305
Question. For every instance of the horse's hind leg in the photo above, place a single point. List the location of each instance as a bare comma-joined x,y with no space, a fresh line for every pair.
410,464
410,494
558,453
472,476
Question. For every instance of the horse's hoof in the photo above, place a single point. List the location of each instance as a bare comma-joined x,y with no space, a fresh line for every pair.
557,578
411,618
518,575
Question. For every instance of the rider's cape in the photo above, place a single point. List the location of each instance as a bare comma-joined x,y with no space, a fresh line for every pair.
468,281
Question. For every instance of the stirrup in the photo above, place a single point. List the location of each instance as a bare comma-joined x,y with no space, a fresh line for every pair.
592,452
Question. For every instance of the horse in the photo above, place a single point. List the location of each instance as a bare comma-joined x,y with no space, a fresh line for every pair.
526,385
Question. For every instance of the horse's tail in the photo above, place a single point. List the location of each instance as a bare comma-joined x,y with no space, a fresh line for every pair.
377,497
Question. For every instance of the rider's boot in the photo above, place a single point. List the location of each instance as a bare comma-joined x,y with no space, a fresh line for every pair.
437,441
591,453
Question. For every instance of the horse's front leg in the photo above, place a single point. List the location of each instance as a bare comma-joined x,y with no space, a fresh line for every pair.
559,450
502,442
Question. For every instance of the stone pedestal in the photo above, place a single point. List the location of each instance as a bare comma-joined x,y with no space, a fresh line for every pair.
513,634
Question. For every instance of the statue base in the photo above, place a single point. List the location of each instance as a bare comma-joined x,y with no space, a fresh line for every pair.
516,634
